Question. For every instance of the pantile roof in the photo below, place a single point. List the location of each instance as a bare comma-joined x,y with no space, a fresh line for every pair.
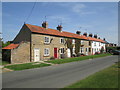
11,46
38,29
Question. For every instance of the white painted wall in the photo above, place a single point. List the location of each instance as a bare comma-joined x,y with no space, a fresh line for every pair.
96,46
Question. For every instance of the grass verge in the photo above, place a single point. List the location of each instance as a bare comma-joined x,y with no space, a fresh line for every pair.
4,62
107,78
17,67
60,61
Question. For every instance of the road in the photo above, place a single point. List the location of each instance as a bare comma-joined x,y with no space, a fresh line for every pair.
56,76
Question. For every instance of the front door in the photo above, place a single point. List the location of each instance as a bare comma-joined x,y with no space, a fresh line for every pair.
36,54
68,52
55,52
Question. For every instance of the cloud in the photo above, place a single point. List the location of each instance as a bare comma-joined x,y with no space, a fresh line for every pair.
60,18
80,9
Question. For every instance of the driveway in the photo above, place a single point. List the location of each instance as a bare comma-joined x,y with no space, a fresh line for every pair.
56,76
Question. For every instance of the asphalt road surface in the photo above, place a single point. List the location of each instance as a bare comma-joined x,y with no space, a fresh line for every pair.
56,76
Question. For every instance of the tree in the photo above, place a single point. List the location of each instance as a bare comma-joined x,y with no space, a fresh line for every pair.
77,46
5,44
102,50
70,45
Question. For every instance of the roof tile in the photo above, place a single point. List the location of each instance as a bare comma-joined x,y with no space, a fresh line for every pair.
11,46
38,29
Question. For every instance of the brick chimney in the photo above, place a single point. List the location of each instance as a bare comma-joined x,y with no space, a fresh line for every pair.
85,34
78,32
104,39
45,24
95,36
59,27
90,35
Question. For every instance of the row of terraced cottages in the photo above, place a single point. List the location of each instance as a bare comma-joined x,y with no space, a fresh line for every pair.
34,43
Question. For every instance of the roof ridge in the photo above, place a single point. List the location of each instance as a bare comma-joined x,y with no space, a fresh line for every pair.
63,33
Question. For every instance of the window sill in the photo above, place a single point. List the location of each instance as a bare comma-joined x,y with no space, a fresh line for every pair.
46,55
47,43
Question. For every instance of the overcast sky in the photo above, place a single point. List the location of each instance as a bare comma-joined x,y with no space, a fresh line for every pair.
92,17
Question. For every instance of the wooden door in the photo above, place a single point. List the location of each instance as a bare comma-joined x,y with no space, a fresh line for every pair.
55,52
36,54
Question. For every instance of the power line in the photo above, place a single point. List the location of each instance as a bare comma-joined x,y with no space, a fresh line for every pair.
31,11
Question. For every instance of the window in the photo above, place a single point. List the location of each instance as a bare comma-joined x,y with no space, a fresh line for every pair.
62,50
89,43
82,42
89,49
46,52
95,49
62,40
47,39
82,50
86,49
73,41
95,44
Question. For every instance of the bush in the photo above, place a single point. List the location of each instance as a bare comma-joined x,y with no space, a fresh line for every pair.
82,54
96,53
73,55
52,58
78,55
63,56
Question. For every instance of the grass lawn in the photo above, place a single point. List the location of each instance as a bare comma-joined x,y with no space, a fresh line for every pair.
3,62
17,67
60,61
107,78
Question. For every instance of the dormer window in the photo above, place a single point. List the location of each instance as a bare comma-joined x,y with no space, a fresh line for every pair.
62,41
47,40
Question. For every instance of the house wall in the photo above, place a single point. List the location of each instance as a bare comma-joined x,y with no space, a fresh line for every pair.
84,48
96,46
37,41
23,35
21,54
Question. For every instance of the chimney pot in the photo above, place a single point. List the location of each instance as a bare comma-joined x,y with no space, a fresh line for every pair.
78,32
90,35
85,34
59,27
45,24
95,36
104,39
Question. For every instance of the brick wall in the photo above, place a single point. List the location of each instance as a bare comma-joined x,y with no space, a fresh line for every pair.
21,54
23,35
38,42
